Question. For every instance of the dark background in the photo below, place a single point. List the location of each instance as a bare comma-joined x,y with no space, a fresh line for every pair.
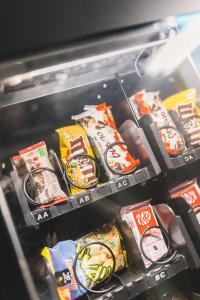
27,26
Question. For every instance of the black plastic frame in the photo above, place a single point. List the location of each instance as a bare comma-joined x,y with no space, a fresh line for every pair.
171,163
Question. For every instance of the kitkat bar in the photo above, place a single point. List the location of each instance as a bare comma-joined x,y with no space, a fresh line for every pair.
44,182
139,219
189,191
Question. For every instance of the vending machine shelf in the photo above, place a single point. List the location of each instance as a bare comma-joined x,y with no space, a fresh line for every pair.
133,284
40,215
170,163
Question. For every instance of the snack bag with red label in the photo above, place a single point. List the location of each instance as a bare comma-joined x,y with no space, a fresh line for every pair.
140,219
100,126
44,182
185,105
149,103
81,169
189,191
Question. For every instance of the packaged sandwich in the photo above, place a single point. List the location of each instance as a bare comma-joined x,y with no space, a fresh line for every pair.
100,126
184,104
44,183
190,191
149,103
94,263
77,157
139,218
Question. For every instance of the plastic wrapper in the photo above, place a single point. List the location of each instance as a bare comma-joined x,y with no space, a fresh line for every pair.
44,183
190,191
149,103
184,104
60,260
139,218
94,263
100,126
81,170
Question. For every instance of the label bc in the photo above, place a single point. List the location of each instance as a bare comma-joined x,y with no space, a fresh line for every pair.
160,276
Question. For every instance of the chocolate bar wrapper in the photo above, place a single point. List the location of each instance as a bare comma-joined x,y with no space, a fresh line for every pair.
100,127
45,182
139,219
94,263
185,105
149,103
190,191
109,119
82,171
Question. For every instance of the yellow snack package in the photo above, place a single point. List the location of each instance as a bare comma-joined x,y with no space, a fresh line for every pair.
77,157
185,105
96,258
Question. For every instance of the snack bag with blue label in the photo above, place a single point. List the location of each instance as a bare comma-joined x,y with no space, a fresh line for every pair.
94,263
60,259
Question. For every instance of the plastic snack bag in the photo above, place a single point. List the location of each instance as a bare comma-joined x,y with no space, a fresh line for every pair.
100,126
184,104
97,258
94,262
44,182
190,191
81,169
60,259
149,103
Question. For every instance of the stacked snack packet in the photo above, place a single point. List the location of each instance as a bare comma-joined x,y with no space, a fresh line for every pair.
139,218
99,124
81,170
184,104
44,183
94,263
190,192
149,103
